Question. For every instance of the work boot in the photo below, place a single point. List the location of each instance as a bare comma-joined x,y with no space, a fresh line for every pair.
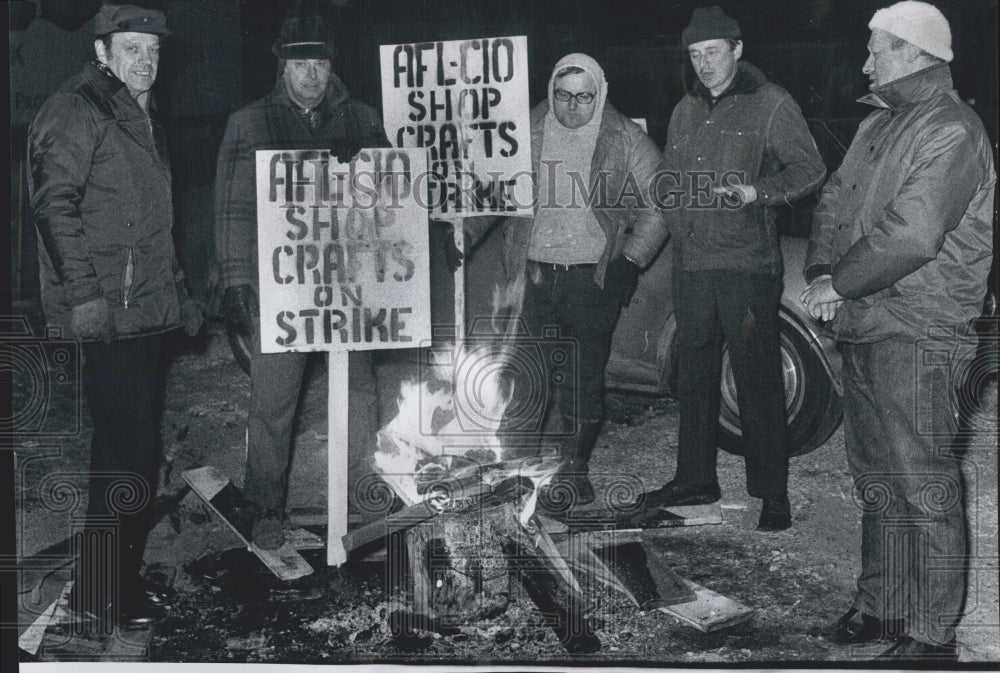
267,529
675,493
857,628
775,514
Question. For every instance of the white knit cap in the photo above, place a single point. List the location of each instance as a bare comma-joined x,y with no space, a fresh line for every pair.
920,24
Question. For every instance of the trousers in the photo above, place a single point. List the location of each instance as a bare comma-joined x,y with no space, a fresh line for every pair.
742,308
276,385
123,386
570,320
899,428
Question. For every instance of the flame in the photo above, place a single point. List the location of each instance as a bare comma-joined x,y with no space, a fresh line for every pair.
452,420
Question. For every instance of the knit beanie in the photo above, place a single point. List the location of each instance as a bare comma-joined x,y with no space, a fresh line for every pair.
710,23
920,24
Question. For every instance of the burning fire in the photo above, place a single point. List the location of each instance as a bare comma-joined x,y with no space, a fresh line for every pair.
447,431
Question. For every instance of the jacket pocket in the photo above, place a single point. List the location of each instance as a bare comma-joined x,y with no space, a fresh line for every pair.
128,276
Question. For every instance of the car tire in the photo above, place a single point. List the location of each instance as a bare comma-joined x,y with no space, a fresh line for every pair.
811,400
239,344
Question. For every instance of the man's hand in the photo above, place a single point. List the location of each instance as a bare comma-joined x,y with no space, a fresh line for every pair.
346,149
191,316
820,299
93,320
745,193
347,146
240,305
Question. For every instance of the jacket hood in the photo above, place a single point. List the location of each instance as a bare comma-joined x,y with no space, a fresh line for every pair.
596,72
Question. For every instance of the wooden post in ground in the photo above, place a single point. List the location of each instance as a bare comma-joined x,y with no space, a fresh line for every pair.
459,233
337,438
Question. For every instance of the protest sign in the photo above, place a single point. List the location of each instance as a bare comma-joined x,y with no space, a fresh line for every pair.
343,251
466,101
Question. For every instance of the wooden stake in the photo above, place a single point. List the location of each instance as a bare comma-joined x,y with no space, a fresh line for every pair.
337,438
459,233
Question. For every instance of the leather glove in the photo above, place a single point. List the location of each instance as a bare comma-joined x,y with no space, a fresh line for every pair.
93,320
191,316
240,305
347,146
346,149
443,238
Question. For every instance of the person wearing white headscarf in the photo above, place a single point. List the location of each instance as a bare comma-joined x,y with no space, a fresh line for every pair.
594,227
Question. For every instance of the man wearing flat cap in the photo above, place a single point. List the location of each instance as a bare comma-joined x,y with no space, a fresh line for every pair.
900,251
737,148
100,189
308,108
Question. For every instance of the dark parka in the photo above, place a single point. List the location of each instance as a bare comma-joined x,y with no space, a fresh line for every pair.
625,160
754,134
101,201
905,225
273,123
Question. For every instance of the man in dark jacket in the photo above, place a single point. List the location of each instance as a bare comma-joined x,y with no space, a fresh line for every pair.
898,260
578,258
737,147
309,108
101,201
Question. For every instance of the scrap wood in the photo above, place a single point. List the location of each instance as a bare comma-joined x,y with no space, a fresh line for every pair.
31,639
710,611
604,520
404,518
225,499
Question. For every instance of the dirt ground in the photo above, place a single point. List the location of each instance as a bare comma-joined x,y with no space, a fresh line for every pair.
232,610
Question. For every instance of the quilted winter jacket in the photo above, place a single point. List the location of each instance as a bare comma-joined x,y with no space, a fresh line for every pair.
100,190
273,123
905,226
754,134
627,159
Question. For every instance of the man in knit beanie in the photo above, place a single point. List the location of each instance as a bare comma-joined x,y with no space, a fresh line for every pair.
740,148
898,260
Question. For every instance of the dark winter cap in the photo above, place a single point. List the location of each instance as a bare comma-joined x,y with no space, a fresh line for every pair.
129,19
303,37
710,23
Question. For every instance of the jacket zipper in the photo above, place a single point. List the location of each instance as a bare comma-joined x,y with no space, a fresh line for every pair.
128,276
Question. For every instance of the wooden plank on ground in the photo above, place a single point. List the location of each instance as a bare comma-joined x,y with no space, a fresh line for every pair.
597,520
226,500
710,611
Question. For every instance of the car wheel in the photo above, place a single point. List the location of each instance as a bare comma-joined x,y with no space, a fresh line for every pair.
812,403
239,344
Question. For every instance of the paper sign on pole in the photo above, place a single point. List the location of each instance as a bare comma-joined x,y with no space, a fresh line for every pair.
343,251
466,101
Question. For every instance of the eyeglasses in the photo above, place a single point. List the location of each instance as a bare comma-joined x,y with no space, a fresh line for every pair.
583,98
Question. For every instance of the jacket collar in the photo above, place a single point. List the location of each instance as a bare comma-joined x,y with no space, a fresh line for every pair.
748,79
102,79
336,93
913,88
107,85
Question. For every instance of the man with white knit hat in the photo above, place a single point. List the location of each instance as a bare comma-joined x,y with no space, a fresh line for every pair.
898,260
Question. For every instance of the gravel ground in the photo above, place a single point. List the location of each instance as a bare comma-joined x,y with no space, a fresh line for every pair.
231,610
